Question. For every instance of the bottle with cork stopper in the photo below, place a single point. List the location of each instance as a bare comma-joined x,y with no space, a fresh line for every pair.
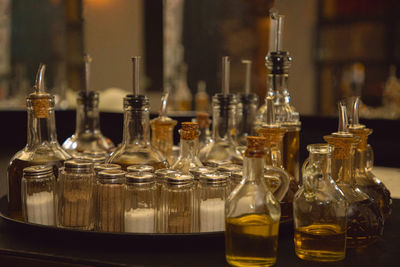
42,147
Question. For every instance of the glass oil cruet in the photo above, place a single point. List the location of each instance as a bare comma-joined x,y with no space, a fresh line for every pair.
188,157
135,148
364,219
319,210
274,134
363,164
162,128
87,136
252,213
42,147
223,146
278,63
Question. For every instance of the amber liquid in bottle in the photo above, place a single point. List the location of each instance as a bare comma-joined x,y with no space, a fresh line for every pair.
322,242
249,237
381,195
291,142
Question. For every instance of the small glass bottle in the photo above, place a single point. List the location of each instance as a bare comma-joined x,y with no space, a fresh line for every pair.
75,195
140,168
42,147
135,148
203,119
188,158
212,192
252,214
201,98
38,195
140,203
110,201
364,219
178,206
319,235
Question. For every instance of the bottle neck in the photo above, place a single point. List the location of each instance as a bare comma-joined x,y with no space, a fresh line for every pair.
87,119
41,130
189,149
323,161
136,127
223,123
360,161
279,84
253,169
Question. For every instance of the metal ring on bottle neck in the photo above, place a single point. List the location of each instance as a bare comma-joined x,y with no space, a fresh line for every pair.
136,101
214,178
196,172
111,176
140,168
106,166
78,166
38,171
139,178
181,179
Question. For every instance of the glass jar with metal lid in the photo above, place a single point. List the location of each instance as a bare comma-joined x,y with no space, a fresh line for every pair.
106,166
212,192
140,168
38,189
198,171
140,203
96,157
110,201
75,195
177,206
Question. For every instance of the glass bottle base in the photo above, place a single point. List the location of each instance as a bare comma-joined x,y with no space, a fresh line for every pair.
319,255
250,261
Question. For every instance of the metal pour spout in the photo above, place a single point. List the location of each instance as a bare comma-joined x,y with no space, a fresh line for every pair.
136,75
39,83
225,75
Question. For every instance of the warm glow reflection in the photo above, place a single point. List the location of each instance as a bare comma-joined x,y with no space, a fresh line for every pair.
97,3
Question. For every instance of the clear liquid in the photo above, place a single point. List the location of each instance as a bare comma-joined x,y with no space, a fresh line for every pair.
251,240
320,242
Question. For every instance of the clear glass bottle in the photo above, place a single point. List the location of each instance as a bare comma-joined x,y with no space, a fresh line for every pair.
140,203
42,147
319,210
252,214
178,206
212,193
110,201
201,98
203,119
189,144
38,195
364,219
75,195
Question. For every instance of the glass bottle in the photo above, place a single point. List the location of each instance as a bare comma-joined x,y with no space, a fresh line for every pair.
75,195
319,210
212,192
188,158
38,195
110,201
135,148
203,119
364,219
140,203
182,95
201,98
252,214
223,147
42,147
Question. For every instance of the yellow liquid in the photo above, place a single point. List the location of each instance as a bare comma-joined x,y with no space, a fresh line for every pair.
320,242
291,146
251,240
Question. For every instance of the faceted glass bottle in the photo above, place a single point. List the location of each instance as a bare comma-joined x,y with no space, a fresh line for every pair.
319,210
252,214
135,148
42,147
87,136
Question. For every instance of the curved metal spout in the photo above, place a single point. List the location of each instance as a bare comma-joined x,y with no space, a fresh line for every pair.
343,123
164,102
39,83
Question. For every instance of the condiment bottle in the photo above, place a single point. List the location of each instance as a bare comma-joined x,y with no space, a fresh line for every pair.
252,213
110,201
140,168
212,192
178,206
223,146
38,195
319,235
203,119
75,195
42,147
88,135
188,156
140,203
201,98
364,219
135,148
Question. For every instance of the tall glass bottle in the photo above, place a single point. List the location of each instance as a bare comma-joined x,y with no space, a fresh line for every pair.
87,136
223,146
252,214
42,147
135,148
364,219
188,158
319,235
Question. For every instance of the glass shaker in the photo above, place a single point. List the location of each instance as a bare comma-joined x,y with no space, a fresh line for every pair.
110,201
230,169
96,157
75,195
177,205
319,210
212,192
38,195
140,203
252,214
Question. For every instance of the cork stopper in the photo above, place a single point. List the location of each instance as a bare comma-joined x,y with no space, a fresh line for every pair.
273,136
343,146
255,146
189,130
363,134
203,119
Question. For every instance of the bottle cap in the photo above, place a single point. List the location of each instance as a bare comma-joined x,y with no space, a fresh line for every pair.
216,163
140,168
214,178
78,165
161,174
106,166
139,177
38,171
189,130
111,176
180,179
229,168
196,172
255,146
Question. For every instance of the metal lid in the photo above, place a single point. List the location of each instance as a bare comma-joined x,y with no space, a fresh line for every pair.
181,179
216,163
140,168
78,165
106,166
38,171
214,178
162,173
139,177
111,176
229,168
237,175
94,156
196,172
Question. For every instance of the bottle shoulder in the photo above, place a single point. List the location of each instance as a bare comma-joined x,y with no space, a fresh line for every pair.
93,142
41,153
